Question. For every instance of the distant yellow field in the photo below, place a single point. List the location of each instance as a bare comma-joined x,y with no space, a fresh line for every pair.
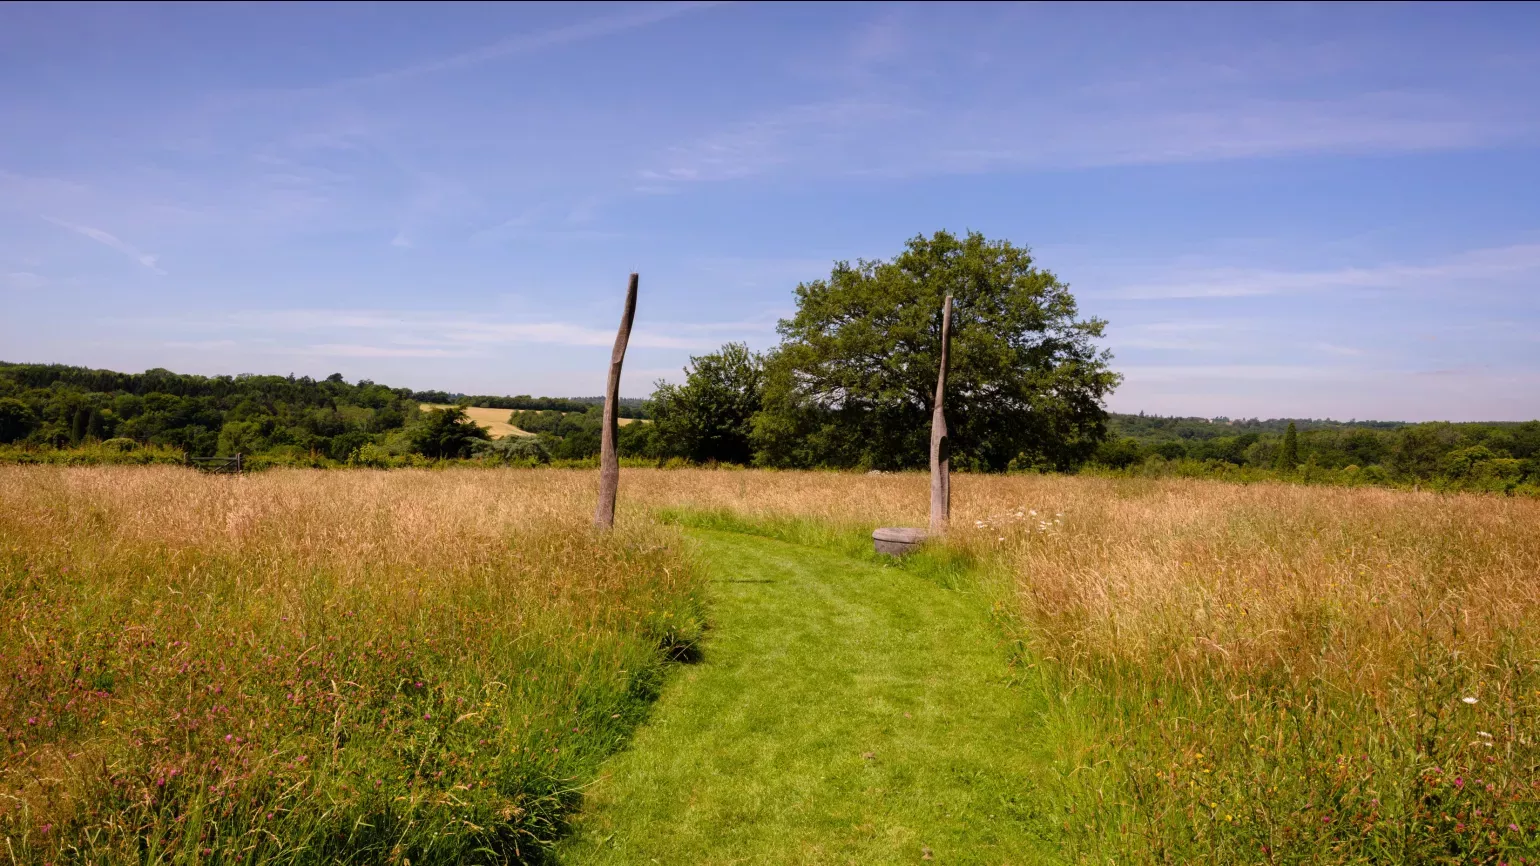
494,420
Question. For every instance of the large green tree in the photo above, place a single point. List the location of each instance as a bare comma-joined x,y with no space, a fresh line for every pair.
853,380
710,416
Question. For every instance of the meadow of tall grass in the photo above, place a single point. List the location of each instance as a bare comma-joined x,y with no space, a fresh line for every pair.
422,664
315,667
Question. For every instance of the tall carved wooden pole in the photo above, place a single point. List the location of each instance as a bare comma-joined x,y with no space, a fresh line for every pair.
940,446
609,460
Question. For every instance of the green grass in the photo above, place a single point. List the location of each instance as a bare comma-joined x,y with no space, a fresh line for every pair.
842,712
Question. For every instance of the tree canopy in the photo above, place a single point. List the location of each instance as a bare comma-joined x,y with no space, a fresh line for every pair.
853,380
710,417
447,433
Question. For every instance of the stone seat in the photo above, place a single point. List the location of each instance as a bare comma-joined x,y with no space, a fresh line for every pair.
898,540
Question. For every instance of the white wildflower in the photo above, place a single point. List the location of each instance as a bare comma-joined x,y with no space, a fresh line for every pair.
1469,699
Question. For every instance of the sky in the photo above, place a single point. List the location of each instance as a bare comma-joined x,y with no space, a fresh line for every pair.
1281,210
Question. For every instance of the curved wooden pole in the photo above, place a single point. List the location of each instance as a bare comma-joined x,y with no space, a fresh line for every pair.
609,460
940,446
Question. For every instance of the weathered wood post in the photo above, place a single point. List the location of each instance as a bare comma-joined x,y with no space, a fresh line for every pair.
901,540
609,459
940,445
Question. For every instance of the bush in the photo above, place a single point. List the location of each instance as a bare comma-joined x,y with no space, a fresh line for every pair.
91,455
372,456
515,450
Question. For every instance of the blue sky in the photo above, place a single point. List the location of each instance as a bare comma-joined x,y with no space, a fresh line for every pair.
1302,210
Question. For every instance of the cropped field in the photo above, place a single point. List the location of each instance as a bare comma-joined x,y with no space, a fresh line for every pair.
494,420
425,664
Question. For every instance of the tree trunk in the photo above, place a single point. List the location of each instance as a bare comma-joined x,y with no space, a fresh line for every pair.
940,445
609,460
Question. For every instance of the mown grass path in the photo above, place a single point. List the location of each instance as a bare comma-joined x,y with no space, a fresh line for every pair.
843,712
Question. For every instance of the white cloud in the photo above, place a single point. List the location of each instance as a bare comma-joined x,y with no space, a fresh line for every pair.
355,350
1471,393
24,281
1185,335
1184,373
862,136
811,136
113,241
420,334
202,345
1493,264
1334,349
526,43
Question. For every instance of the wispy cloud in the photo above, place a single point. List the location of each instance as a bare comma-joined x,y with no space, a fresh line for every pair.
525,43
1187,373
1334,349
353,350
202,345
1188,335
24,281
817,136
1333,390
864,134
1235,128
1493,264
111,240
388,333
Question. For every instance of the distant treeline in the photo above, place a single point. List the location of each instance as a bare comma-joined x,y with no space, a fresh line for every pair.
1482,455
1161,427
630,407
275,419
60,414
